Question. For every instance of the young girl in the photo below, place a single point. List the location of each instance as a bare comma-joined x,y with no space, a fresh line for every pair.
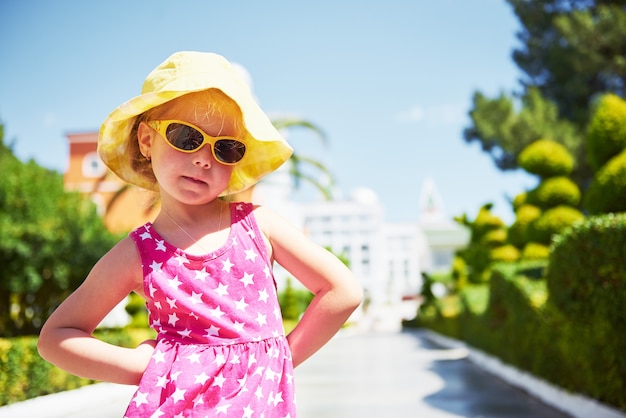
204,265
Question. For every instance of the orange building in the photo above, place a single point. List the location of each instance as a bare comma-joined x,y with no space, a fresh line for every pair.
122,206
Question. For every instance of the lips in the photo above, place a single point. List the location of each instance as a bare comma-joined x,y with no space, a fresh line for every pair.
194,180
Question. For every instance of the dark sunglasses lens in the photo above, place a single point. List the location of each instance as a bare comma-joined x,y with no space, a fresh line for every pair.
183,137
229,151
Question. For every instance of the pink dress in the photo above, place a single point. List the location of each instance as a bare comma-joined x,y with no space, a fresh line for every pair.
221,347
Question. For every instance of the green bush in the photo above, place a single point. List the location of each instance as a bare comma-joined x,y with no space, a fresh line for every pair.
587,271
551,222
555,191
607,192
512,317
505,253
24,374
606,135
535,251
524,216
546,158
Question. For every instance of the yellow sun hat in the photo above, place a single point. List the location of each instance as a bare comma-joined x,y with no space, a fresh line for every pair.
186,72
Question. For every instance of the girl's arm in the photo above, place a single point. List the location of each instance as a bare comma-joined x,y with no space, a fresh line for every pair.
66,338
337,292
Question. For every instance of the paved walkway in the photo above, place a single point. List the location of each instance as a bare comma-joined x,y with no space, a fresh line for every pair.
376,374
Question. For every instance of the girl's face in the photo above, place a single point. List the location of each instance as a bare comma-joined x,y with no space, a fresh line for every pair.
190,178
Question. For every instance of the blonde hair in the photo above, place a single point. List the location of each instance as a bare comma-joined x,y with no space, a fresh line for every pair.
213,102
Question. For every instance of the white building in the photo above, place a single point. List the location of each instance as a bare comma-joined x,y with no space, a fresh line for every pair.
387,258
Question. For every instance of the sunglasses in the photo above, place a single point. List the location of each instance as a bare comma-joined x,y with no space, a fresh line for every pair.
185,137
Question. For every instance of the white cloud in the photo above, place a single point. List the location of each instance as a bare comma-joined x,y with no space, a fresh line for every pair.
444,114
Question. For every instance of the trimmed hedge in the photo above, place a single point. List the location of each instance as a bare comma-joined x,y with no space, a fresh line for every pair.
607,192
587,272
24,374
512,318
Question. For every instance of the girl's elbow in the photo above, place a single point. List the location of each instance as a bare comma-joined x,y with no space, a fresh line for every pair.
353,295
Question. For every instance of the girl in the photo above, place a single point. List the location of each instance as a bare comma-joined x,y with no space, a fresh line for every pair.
195,134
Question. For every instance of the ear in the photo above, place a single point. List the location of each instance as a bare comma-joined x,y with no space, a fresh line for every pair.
145,136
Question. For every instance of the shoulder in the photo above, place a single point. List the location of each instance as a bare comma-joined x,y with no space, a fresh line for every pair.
122,263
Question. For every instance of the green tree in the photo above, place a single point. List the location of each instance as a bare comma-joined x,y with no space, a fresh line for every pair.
571,51
297,160
50,240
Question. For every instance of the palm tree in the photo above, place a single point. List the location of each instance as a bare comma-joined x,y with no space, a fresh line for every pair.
296,160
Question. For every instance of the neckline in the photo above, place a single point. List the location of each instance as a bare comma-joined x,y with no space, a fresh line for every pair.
228,243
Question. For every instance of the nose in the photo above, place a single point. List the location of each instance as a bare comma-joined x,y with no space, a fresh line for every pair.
203,157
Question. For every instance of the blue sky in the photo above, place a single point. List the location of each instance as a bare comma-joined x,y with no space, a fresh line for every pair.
390,82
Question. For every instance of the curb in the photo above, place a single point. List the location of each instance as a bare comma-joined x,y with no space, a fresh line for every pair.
575,405
62,404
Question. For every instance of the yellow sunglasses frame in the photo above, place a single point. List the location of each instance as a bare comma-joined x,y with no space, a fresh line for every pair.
161,126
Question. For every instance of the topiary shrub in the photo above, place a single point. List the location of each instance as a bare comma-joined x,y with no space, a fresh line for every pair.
606,135
519,201
535,251
552,222
495,237
524,216
607,192
546,158
555,191
505,253
586,274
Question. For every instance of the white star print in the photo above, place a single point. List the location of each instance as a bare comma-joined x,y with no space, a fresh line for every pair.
185,333
195,298
219,380
238,326
277,313
259,392
201,378
175,376
263,295
277,399
141,398
251,234
159,357
222,409
152,290
239,206
251,254
261,319
246,279
247,412
145,236
270,374
219,360
156,267
222,289
179,395
174,282
158,413
161,382
227,265
194,358
158,305
160,245
235,359
267,272
217,312
182,259
212,331
241,305
171,302
201,274
173,319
